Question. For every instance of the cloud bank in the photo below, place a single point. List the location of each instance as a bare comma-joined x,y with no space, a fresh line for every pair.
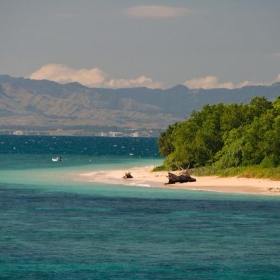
63,74
211,82
89,77
97,78
207,83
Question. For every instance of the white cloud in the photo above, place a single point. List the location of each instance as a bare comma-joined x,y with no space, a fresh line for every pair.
89,77
275,80
249,83
63,74
97,78
153,11
207,83
246,83
139,82
211,82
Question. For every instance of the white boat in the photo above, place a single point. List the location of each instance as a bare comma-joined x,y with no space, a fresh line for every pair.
56,159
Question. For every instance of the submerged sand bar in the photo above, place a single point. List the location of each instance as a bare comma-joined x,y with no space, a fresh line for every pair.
143,176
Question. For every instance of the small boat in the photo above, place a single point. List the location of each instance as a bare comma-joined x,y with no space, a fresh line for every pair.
56,158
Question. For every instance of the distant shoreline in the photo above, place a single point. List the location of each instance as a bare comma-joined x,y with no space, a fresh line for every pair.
143,176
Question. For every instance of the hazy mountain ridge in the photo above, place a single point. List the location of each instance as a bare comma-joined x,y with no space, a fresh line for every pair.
47,105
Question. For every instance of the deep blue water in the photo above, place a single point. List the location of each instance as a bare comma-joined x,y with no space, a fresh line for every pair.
54,227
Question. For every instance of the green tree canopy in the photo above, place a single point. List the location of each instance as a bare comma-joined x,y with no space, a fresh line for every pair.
225,135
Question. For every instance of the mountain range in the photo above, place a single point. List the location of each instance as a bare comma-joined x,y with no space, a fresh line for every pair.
45,107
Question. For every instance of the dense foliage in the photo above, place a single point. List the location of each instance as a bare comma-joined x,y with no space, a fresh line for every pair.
225,135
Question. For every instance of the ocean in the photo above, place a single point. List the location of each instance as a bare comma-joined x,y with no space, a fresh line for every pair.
53,226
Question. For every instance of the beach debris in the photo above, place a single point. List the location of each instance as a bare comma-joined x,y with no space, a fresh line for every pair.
183,178
274,189
127,175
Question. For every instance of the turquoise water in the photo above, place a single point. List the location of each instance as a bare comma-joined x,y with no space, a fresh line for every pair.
54,227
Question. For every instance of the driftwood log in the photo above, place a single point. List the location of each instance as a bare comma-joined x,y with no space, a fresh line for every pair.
183,178
127,175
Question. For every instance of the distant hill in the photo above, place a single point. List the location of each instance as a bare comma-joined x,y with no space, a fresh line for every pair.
33,106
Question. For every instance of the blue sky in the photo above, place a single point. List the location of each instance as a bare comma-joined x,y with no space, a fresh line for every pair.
131,43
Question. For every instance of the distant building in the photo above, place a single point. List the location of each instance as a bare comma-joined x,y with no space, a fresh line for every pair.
135,134
115,133
18,132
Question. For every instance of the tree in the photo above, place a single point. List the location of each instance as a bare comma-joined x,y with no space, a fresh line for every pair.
231,153
226,135
258,106
254,149
165,141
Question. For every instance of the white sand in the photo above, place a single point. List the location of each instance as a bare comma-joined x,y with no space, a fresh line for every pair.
145,177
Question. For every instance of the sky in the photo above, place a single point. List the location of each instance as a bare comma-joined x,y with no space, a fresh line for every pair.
139,43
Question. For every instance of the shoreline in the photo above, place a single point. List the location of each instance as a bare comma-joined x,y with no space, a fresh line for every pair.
143,176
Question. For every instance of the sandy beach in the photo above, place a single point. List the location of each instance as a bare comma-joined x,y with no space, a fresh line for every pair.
145,177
